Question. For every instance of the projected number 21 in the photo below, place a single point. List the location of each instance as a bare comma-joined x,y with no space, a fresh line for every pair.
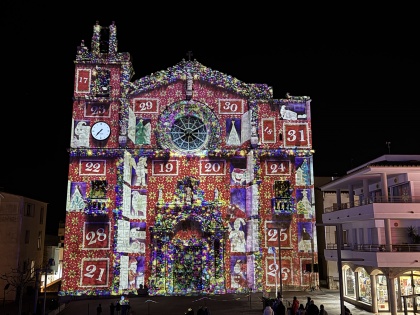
95,272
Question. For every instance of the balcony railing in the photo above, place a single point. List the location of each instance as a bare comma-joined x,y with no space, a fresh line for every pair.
378,247
377,199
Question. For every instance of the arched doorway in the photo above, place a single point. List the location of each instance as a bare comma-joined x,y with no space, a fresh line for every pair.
188,245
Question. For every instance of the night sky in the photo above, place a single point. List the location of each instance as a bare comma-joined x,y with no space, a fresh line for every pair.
359,66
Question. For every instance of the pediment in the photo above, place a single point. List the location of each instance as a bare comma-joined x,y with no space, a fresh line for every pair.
200,72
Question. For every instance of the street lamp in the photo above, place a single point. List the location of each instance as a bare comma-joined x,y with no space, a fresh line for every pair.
51,262
273,251
339,231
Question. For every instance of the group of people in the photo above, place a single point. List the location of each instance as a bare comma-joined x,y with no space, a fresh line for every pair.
117,309
297,308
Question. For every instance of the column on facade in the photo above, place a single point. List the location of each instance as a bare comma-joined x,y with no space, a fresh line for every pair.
356,285
351,195
388,238
392,295
365,192
384,187
374,293
338,193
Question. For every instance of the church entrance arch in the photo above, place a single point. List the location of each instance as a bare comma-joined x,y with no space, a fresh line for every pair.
188,246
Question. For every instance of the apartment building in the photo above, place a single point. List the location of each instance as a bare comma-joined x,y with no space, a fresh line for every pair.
378,249
22,236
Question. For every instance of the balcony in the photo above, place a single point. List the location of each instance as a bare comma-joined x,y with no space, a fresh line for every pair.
377,199
96,206
377,255
378,247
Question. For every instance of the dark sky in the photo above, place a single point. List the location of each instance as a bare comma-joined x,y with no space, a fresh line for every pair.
360,66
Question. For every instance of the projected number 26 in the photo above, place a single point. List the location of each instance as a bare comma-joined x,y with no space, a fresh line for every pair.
273,270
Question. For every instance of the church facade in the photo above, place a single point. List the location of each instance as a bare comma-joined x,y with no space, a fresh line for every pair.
187,181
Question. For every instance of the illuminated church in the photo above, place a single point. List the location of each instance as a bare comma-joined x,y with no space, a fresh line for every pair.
187,181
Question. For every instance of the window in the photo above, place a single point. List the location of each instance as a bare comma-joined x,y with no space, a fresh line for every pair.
41,216
98,189
27,234
401,193
39,240
29,210
344,237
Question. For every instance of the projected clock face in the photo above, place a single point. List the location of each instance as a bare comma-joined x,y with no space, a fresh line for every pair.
189,133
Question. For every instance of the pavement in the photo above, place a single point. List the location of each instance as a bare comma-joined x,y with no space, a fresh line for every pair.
227,304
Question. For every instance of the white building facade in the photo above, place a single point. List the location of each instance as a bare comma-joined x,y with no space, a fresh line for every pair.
379,254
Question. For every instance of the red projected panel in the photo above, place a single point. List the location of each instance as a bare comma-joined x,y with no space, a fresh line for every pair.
97,110
96,235
277,167
145,105
208,167
83,81
92,167
272,236
268,130
272,271
296,135
94,272
231,106
165,168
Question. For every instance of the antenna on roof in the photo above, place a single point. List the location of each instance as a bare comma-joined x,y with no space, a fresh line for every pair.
389,146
